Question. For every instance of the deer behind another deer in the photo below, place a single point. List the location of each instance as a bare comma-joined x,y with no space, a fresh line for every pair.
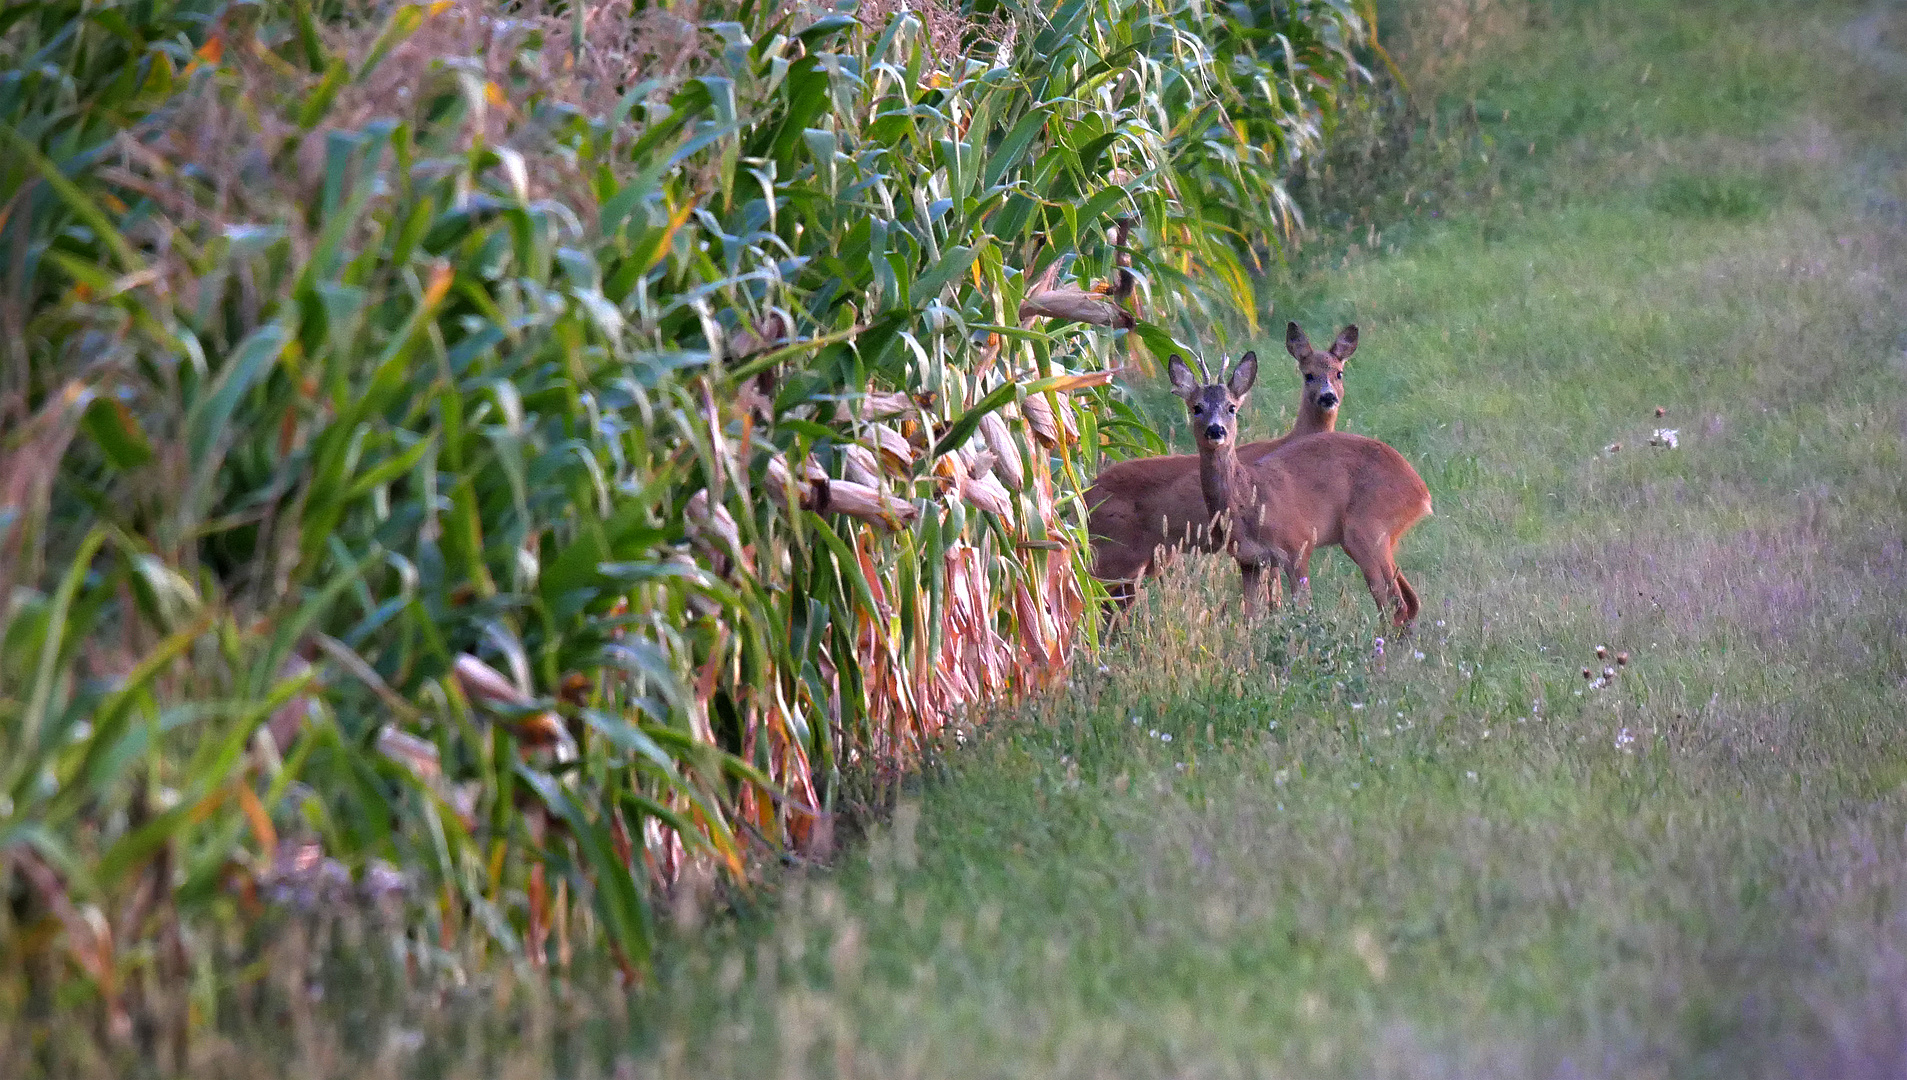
1143,509
1329,488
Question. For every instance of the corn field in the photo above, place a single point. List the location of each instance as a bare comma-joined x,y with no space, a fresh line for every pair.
510,464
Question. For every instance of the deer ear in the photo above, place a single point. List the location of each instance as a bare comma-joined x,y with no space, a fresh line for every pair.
1184,383
1243,375
1296,343
1346,344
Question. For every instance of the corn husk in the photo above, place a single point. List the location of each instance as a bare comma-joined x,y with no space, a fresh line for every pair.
896,453
482,683
875,404
1072,302
987,493
1047,298
1052,426
811,494
866,502
859,464
1006,452
770,330
948,473
414,754
714,528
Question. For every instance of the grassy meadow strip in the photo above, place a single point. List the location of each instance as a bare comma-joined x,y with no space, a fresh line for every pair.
506,467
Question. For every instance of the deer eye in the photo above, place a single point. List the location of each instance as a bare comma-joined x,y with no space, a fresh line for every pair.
1309,378
1234,409
1197,409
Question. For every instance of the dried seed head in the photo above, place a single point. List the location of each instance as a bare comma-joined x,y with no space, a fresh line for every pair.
1602,652
1608,673
1588,674
1660,412
1622,659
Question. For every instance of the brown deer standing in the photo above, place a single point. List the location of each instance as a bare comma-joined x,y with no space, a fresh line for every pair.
1331,488
1142,510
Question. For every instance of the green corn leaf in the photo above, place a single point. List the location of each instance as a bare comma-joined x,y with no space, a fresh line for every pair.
618,898
117,433
76,200
949,268
52,644
318,102
402,24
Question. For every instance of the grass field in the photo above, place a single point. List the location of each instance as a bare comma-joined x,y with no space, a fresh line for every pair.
1290,851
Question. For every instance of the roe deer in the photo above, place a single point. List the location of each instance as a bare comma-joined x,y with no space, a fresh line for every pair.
1330,488
1143,508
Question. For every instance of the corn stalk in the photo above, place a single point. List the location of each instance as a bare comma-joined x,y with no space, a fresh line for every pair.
543,452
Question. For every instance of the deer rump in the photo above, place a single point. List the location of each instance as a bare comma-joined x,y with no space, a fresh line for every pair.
1328,489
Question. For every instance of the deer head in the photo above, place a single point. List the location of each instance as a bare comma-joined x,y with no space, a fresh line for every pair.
1213,404
1323,371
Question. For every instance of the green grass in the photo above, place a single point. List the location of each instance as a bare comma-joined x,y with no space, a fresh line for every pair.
1458,858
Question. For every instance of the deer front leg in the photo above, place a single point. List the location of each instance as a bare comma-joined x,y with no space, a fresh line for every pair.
1298,572
1254,575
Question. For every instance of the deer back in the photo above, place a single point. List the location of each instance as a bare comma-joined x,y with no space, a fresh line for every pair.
1316,486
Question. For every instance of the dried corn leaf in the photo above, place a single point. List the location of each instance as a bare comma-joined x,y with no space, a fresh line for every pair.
1066,384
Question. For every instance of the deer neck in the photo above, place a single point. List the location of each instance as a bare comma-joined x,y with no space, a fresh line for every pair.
1218,476
1312,419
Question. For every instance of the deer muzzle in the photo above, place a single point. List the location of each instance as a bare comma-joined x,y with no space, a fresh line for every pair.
1215,433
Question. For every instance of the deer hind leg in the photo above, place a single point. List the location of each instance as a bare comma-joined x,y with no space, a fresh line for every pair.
1406,595
1373,556
1409,596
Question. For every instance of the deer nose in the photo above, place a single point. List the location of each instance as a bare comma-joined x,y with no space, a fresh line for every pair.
1327,400
1215,432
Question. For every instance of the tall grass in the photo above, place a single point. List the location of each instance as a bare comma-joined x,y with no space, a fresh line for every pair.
507,464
